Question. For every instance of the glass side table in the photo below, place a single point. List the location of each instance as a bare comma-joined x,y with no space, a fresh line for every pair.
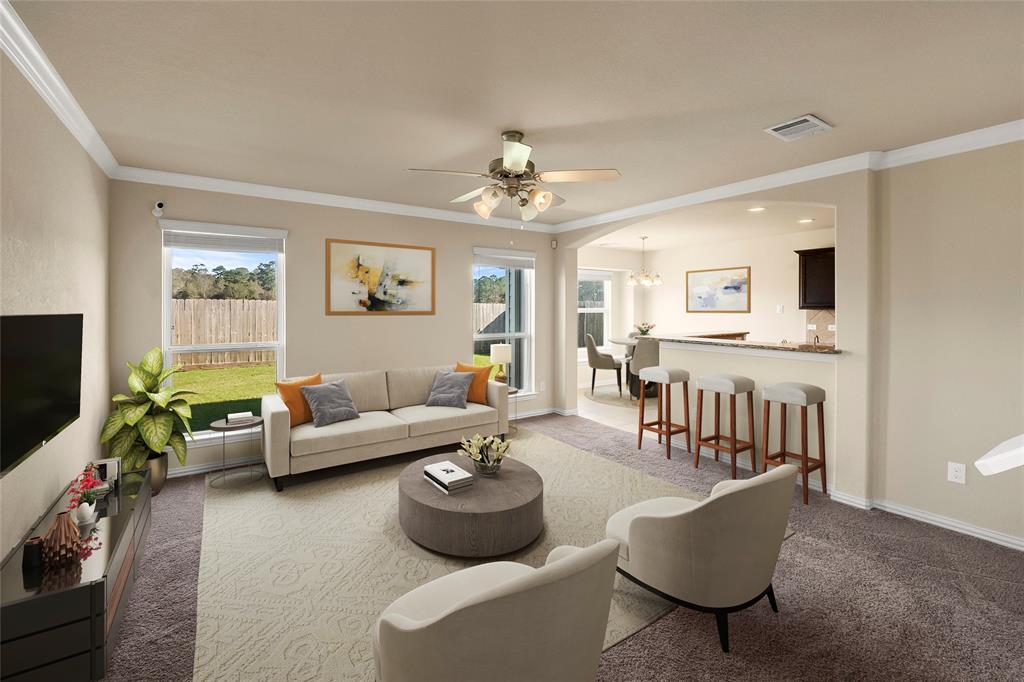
512,428
249,473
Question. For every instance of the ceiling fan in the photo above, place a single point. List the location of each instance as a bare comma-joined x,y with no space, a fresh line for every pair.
514,175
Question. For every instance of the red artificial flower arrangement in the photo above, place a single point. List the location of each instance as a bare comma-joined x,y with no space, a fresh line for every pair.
82,487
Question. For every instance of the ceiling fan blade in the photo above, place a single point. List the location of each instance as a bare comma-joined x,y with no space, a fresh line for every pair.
515,156
592,175
449,172
469,195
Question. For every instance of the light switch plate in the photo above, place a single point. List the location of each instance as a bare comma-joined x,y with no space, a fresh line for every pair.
812,327
956,472
831,327
780,308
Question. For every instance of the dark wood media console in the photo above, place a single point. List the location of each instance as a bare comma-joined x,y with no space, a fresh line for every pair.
63,626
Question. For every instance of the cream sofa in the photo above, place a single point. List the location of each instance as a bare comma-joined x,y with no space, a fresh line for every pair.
392,419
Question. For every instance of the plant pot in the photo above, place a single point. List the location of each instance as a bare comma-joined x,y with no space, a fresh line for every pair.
487,468
84,513
157,471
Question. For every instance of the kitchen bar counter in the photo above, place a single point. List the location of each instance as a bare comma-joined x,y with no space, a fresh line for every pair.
719,339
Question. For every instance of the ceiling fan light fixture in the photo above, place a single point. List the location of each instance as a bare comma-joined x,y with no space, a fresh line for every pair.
541,199
482,209
491,196
528,212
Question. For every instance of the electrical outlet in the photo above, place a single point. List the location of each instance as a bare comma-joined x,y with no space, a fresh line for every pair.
831,327
956,472
780,308
812,327
543,386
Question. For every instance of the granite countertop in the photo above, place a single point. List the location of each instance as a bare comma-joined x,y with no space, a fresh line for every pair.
758,345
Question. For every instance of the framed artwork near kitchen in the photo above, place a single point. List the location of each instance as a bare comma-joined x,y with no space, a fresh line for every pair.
372,278
718,290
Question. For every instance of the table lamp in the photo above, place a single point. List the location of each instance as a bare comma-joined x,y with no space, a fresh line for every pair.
501,354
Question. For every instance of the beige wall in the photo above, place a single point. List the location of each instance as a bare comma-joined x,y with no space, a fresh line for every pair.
774,279
53,259
952,333
315,341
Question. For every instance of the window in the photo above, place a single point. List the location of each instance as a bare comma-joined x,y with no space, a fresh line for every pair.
594,310
503,310
223,314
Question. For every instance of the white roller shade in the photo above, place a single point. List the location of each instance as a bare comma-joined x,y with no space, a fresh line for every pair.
504,258
594,275
214,237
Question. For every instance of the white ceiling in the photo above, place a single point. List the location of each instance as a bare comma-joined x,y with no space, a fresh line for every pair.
717,222
341,97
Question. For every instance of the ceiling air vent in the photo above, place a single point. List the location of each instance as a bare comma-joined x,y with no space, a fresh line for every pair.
801,126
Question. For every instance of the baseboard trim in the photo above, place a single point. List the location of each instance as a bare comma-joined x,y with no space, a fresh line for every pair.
1004,539
566,413
193,469
530,413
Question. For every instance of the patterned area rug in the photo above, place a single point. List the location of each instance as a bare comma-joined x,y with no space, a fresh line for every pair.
291,583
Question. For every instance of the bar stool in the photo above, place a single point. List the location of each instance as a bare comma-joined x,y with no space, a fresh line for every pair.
731,385
804,395
663,426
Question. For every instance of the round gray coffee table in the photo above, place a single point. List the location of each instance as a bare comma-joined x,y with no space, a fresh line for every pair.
497,515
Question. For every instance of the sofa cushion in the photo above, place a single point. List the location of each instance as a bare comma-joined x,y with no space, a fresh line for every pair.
291,393
481,375
424,420
330,402
371,427
369,390
411,386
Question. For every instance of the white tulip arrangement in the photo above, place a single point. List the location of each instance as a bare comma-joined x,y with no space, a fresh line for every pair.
485,451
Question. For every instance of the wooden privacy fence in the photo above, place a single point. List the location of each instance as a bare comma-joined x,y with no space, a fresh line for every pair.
196,321
485,313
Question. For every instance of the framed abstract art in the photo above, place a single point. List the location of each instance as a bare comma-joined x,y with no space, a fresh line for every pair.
719,290
371,278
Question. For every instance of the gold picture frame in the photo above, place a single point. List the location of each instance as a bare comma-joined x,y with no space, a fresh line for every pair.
356,271
707,292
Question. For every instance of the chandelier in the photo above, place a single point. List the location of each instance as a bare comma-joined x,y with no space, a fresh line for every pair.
643,278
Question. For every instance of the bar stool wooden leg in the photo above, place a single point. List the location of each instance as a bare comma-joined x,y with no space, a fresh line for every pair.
764,435
668,424
661,421
718,421
782,433
803,449
686,414
750,431
640,429
700,414
821,445
732,433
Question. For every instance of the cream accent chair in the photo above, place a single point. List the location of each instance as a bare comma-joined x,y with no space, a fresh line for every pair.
598,360
715,555
502,621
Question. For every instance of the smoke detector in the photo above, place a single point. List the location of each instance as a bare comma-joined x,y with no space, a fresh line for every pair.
802,126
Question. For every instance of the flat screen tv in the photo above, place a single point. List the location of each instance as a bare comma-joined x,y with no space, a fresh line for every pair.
40,381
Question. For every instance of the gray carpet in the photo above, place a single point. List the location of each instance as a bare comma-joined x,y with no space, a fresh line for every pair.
862,595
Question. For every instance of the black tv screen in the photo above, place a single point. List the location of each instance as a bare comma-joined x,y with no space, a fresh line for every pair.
40,381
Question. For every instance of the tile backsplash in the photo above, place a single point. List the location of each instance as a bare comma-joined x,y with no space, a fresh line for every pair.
821,319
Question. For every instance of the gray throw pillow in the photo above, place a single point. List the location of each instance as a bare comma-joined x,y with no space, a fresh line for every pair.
330,402
450,389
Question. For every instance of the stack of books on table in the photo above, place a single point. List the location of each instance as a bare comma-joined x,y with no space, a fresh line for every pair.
447,477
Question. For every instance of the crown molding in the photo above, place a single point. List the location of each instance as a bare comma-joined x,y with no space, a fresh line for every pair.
249,189
19,44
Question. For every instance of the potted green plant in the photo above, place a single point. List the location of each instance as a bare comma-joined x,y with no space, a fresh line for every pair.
152,419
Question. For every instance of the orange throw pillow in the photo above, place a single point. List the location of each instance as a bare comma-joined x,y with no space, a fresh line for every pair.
296,403
477,389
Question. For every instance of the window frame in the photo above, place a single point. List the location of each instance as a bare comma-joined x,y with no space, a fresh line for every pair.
605,277
278,346
527,277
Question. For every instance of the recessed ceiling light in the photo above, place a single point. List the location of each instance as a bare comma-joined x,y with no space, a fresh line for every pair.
755,209
806,220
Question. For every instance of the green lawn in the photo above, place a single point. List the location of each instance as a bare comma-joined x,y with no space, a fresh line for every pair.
229,383
484,360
